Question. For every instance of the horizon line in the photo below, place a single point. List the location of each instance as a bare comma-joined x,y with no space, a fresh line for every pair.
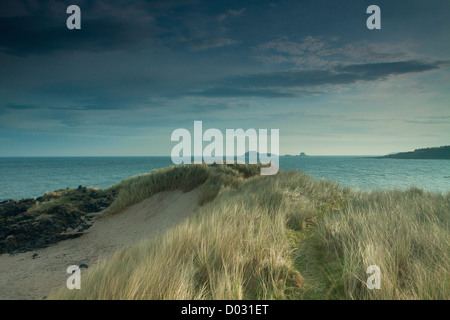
168,156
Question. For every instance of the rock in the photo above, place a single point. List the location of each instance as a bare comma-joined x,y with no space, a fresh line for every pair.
25,227
13,207
11,243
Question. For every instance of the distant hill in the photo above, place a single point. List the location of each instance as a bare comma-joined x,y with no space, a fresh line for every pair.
427,153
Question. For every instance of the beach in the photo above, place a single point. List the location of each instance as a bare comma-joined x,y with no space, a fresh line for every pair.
34,274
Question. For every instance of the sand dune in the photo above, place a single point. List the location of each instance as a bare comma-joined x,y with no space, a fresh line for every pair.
32,275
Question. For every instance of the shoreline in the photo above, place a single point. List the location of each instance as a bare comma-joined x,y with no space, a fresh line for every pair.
33,223
36,273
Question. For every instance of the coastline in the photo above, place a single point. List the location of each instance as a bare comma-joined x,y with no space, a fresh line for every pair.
176,220
30,179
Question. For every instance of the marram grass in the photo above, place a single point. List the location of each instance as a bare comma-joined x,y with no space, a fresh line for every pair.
286,236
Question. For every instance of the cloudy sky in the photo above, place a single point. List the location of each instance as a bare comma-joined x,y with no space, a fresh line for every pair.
137,70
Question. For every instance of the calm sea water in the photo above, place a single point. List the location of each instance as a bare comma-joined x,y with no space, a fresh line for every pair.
32,177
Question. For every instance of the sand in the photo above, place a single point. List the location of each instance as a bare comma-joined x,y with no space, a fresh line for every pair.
34,274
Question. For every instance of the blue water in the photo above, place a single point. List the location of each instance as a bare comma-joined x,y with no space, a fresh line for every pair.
370,173
32,177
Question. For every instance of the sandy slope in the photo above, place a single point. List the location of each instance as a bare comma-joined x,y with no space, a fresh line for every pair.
25,277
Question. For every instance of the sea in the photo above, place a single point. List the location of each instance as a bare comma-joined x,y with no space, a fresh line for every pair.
30,177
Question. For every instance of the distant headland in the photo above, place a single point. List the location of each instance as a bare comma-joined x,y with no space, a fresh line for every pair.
426,153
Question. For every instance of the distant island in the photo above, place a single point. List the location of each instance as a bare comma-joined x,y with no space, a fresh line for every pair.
426,153
302,154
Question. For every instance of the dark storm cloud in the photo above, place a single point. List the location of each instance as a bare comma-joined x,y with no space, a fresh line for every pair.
42,28
374,71
15,106
285,84
107,25
28,35
341,75
235,92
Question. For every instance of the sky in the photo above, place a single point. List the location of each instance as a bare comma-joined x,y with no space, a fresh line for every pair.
138,70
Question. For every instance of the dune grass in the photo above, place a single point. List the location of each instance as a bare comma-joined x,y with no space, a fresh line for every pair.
405,233
141,187
184,178
286,236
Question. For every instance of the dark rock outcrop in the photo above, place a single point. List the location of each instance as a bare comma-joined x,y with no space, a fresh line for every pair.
29,224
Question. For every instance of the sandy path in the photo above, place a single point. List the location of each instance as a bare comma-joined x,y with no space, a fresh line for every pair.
22,277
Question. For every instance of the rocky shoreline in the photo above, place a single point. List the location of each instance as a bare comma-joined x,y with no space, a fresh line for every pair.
30,224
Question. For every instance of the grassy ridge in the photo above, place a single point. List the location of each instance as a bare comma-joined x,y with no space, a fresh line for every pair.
141,187
184,178
279,237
